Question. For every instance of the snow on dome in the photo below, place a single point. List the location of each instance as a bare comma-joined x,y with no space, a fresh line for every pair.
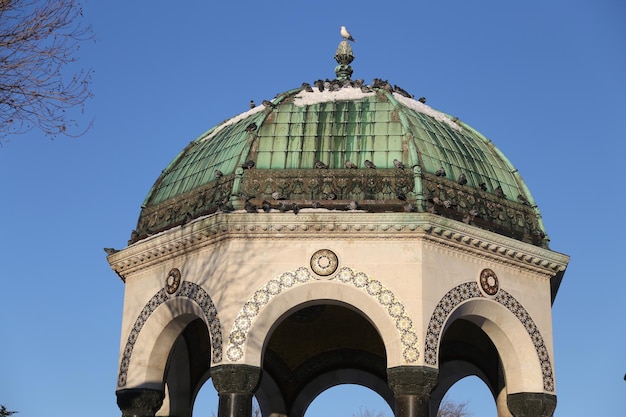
233,121
347,93
427,110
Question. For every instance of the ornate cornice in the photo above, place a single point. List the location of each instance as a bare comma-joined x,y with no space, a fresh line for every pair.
315,223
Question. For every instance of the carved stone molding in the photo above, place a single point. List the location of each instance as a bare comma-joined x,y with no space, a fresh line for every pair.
471,290
239,225
188,290
374,288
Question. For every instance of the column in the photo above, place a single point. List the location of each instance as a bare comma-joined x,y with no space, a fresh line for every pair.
235,385
139,402
531,404
411,386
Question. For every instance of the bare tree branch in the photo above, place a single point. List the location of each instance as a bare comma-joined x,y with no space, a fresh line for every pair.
38,40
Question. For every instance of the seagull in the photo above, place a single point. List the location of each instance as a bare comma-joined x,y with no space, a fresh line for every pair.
398,164
346,35
369,164
320,165
351,165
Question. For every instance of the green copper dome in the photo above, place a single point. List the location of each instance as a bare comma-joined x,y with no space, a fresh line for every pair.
299,145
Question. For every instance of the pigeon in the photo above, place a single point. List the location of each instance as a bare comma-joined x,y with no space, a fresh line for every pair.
365,89
218,173
316,204
278,196
499,192
268,103
400,195
462,179
353,205
398,164
248,164
320,165
283,207
307,87
401,91
250,208
346,35
252,105
522,200
441,172
331,196
369,164
296,209
110,251
408,207
251,127
422,100
483,186
266,206
351,165
224,206
319,84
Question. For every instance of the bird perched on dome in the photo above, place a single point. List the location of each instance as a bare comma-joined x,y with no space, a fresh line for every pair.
320,165
369,164
346,35
398,164
351,165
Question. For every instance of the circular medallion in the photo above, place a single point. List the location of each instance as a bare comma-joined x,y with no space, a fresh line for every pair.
324,262
489,281
172,282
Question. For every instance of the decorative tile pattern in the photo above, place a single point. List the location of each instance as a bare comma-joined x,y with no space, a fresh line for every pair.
374,288
471,290
189,290
324,262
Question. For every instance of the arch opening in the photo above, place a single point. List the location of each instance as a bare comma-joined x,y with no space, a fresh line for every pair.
349,400
315,347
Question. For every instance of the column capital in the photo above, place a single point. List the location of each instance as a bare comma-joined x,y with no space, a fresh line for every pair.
139,402
235,379
531,404
412,380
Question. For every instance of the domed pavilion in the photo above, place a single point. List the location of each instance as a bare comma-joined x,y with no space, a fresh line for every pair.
341,232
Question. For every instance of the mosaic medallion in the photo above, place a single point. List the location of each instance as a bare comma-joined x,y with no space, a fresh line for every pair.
324,262
489,281
172,282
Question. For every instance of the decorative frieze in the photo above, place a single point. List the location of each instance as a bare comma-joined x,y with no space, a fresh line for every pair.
471,290
374,288
188,290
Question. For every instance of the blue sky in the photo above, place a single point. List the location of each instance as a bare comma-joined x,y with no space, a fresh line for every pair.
543,80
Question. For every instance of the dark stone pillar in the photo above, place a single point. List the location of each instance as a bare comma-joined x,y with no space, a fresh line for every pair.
139,402
411,386
531,404
235,385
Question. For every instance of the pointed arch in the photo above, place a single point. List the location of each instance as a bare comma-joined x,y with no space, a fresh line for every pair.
180,314
467,301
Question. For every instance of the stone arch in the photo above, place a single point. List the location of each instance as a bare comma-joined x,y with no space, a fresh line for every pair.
514,333
168,323
348,287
